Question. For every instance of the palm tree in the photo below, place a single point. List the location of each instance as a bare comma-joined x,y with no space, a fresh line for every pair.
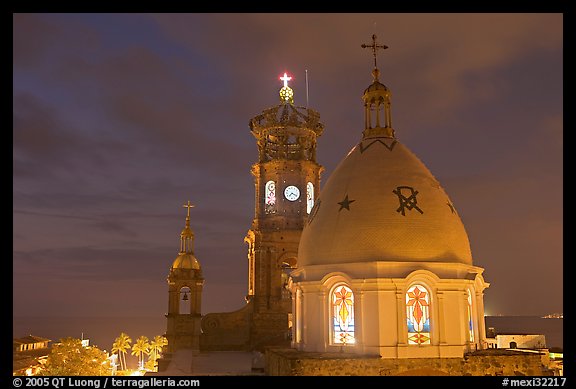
141,347
120,346
156,347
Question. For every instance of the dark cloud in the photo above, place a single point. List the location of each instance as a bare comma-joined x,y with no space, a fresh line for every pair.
89,262
38,132
31,39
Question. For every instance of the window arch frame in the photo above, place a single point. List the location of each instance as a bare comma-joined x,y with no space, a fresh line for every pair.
424,336
333,333
184,305
270,199
309,197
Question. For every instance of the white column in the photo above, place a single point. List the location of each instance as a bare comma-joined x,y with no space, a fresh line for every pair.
358,319
401,318
295,316
304,307
324,319
464,320
480,320
439,319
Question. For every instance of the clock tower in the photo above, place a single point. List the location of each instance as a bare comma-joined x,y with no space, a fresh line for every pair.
286,183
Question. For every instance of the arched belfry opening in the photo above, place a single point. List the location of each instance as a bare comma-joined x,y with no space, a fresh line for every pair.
185,307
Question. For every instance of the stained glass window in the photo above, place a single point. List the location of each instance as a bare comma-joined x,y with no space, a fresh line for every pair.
342,304
270,196
309,197
418,315
470,326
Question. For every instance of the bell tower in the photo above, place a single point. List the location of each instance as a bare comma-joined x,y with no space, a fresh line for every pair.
286,183
185,283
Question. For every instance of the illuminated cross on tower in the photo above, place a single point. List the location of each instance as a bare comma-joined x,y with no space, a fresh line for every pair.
286,93
374,47
285,79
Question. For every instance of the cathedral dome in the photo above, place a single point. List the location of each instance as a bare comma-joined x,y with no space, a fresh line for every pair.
381,203
376,87
384,264
186,261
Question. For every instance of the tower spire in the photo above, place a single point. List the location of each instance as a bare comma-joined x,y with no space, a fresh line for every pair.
286,93
374,46
188,205
377,114
187,236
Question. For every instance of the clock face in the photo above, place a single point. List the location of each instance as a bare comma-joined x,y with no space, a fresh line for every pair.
292,193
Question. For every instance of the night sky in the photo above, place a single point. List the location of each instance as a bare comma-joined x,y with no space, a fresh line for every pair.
120,119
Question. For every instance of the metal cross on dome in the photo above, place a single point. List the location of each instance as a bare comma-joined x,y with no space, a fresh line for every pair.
374,48
188,206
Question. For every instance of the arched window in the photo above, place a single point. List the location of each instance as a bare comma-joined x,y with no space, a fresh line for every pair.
342,313
470,324
270,197
185,301
418,314
309,197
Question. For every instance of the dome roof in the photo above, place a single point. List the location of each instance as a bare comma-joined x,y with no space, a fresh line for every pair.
186,261
381,203
376,86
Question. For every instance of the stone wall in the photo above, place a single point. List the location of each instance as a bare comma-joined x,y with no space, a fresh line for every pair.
226,331
289,362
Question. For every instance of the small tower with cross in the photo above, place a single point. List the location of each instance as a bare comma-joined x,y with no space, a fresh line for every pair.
185,284
377,114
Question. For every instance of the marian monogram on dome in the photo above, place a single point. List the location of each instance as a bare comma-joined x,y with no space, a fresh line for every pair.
407,197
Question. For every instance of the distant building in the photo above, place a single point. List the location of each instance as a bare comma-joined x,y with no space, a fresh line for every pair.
30,342
29,354
520,341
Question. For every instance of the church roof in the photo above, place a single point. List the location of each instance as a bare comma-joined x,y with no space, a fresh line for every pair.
382,204
29,339
186,261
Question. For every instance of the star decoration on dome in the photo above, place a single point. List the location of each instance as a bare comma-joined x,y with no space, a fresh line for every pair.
345,203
